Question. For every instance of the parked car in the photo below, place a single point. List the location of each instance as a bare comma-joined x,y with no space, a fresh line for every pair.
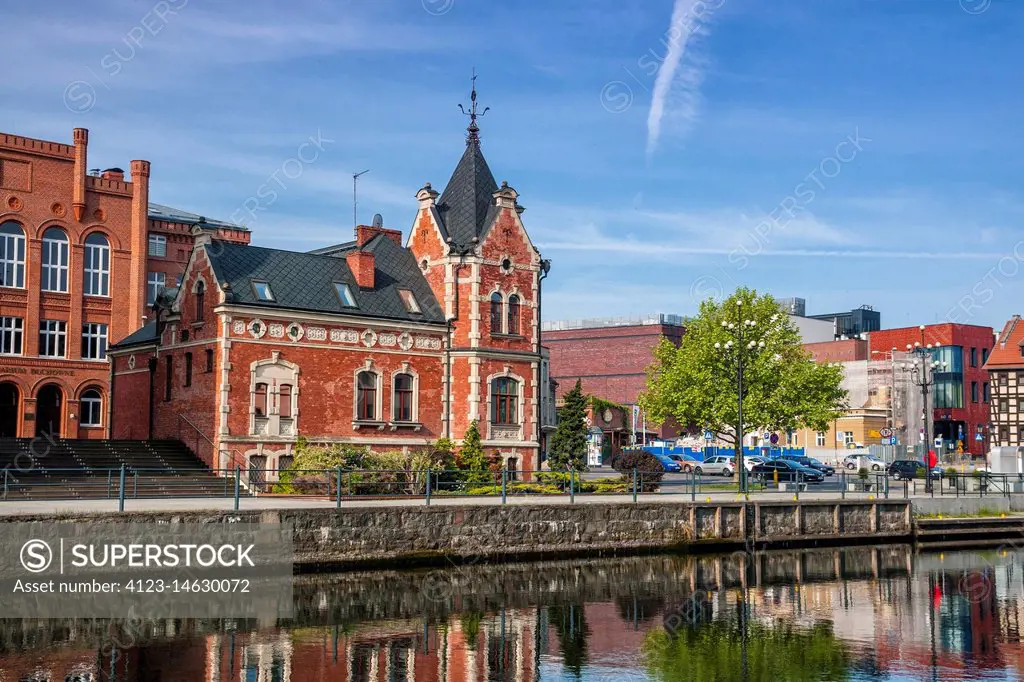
787,471
670,465
903,469
811,463
753,461
857,462
720,465
685,462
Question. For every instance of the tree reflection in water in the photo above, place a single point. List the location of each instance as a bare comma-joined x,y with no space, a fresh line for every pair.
740,648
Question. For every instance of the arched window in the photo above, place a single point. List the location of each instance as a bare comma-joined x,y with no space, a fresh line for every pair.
366,397
496,306
404,394
91,408
12,255
55,260
504,401
261,400
284,401
97,266
200,300
513,315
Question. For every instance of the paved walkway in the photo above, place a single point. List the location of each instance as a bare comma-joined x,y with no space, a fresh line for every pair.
18,508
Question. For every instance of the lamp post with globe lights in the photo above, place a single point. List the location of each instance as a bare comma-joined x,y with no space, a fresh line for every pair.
922,369
739,350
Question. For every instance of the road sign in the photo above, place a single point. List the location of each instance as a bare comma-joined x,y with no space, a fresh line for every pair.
708,435
978,437
886,432
774,438
892,440
768,435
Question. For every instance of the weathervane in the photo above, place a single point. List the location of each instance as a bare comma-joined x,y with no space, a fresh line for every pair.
474,129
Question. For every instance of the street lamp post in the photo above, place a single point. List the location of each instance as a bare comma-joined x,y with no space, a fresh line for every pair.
739,348
923,379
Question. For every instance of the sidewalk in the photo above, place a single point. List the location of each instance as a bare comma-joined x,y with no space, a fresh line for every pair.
70,507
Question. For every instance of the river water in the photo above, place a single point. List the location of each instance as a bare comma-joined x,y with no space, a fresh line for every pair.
881,613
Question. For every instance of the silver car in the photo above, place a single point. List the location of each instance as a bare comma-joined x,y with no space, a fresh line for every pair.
719,465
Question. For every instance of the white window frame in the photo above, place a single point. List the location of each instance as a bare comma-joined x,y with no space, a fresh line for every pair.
97,267
407,369
12,257
157,246
94,338
56,254
344,292
155,281
12,335
96,404
819,439
409,301
57,331
256,291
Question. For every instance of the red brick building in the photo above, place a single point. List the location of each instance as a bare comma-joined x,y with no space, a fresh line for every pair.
610,356
73,278
959,398
368,342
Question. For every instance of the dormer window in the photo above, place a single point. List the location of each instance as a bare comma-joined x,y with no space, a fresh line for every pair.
262,290
345,295
411,304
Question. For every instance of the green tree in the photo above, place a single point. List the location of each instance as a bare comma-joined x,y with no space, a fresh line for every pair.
569,444
472,458
783,388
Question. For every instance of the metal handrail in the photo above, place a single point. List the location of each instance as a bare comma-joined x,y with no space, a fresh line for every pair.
237,460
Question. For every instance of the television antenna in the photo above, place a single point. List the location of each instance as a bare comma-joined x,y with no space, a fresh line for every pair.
355,180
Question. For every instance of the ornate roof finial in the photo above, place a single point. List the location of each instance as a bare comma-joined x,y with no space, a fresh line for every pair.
474,130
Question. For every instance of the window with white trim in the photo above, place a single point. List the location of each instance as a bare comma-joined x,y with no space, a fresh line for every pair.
404,397
157,245
154,285
53,338
409,300
12,255
55,260
504,401
11,329
366,396
91,408
262,290
345,294
819,439
94,341
97,266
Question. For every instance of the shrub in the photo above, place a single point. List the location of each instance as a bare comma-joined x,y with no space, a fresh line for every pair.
647,466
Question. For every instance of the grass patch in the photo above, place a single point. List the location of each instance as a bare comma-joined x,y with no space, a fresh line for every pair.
984,512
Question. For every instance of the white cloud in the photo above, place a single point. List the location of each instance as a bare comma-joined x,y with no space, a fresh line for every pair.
677,84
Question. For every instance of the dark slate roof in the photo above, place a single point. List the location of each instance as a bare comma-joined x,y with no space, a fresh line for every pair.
145,335
335,250
176,215
466,201
305,281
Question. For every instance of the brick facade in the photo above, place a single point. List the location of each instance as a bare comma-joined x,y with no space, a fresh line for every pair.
307,364
609,361
46,189
967,346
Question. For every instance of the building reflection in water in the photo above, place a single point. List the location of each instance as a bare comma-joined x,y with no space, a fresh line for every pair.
859,614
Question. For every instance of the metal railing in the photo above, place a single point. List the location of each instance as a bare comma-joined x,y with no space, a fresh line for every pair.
200,439
339,485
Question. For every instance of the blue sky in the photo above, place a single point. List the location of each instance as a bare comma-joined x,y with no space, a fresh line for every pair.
850,152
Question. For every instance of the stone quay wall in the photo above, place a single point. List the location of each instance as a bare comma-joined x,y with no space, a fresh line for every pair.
407,536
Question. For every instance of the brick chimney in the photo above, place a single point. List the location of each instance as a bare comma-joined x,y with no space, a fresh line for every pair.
365,233
113,174
81,137
139,243
362,264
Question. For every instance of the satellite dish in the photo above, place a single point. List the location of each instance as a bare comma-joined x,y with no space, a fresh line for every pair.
378,220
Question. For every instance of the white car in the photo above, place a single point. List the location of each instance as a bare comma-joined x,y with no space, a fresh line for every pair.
720,465
858,462
751,462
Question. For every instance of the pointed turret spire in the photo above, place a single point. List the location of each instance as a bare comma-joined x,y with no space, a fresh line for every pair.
473,131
